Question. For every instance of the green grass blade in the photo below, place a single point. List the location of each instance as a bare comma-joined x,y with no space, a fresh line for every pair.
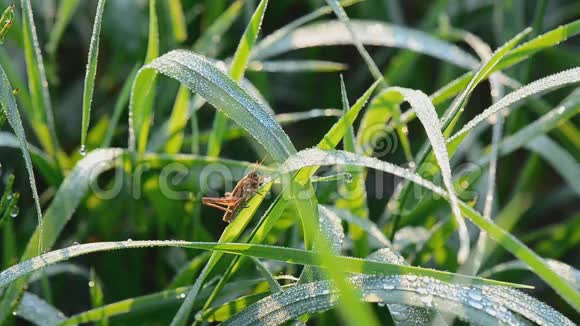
316,157
203,78
39,312
11,110
353,193
143,91
369,32
90,75
41,115
72,190
342,16
568,272
296,66
232,232
148,302
485,70
539,86
237,70
283,254
423,292
66,9
563,112
178,120
177,21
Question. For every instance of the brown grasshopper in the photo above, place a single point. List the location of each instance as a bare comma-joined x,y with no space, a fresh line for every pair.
233,201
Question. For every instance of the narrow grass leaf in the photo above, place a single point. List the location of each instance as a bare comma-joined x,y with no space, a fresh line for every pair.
205,79
417,291
119,108
296,66
568,272
91,73
177,21
237,71
342,16
11,110
283,254
539,86
316,157
41,115
485,70
70,193
402,314
374,33
428,117
39,312
263,269
143,90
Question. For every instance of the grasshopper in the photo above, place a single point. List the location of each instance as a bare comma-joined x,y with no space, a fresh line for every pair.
233,201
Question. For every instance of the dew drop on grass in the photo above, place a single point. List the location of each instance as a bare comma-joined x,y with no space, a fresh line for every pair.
83,150
76,243
129,240
348,177
14,211
91,284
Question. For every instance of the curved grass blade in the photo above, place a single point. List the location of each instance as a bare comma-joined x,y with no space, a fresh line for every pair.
72,190
41,116
563,112
283,254
237,71
539,86
353,192
296,66
568,272
428,117
205,79
316,157
342,16
39,312
177,21
232,232
414,315
369,33
364,223
149,302
90,75
143,90
470,303
8,103
485,70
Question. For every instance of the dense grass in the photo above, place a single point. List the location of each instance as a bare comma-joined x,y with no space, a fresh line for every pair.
418,166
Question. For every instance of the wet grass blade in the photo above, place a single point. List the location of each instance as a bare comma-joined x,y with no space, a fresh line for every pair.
237,70
41,115
11,110
90,75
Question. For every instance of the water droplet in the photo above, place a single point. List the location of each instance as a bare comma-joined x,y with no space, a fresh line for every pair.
348,177
475,295
91,284
412,164
76,243
490,311
475,304
405,130
14,211
129,240
83,150
182,296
